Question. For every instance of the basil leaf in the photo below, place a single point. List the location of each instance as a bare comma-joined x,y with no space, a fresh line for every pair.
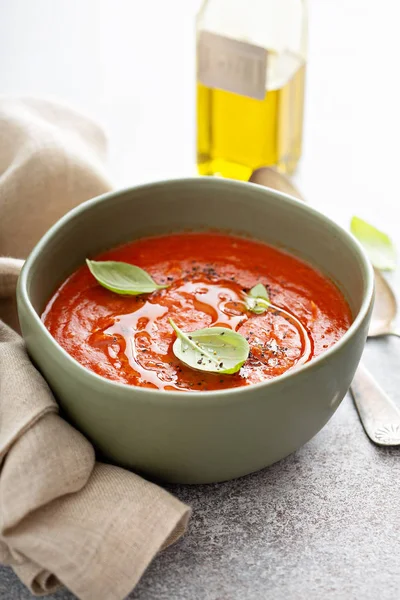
257,300
378,245
122,278
214,349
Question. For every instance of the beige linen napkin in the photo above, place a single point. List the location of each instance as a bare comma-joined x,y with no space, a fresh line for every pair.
64,518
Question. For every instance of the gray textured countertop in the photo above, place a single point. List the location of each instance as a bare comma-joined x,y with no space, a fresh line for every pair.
323,523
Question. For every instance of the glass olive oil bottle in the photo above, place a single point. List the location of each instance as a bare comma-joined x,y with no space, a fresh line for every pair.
251,59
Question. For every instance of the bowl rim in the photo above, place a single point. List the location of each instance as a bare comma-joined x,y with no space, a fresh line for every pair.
227,394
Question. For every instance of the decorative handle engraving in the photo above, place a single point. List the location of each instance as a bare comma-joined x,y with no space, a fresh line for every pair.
379,415
388,434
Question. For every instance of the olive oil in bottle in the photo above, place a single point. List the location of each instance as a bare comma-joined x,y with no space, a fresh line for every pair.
250,85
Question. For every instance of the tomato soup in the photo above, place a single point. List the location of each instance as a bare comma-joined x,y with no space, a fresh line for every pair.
130,339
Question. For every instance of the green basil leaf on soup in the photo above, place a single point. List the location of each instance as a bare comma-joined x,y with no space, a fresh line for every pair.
122,278
213,349
257,300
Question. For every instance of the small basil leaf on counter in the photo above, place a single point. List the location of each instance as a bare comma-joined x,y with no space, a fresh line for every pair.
214,349
122,278
377,244
257,300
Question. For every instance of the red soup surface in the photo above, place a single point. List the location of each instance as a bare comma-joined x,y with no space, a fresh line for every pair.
129,338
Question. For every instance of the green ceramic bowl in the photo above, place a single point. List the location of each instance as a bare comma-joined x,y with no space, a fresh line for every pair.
197,437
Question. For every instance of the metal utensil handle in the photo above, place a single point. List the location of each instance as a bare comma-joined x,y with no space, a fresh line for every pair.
379,415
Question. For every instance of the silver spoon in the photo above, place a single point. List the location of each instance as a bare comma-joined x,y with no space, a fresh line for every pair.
378,413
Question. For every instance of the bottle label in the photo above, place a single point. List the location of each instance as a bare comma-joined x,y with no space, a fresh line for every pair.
231,65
